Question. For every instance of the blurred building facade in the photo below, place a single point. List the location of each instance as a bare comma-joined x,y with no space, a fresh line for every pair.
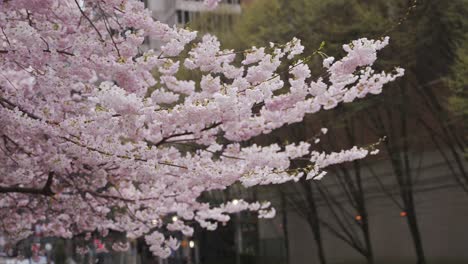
182,12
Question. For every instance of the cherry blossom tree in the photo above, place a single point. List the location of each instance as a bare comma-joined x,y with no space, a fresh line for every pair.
93,129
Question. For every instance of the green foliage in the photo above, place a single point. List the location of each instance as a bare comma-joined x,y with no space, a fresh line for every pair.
60,254
459,83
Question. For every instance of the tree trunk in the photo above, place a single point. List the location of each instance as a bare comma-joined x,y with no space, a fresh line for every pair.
414,229
285,226
359,195
315,226
365,230
312,218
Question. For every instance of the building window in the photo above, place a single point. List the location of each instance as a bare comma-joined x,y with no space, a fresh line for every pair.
184,16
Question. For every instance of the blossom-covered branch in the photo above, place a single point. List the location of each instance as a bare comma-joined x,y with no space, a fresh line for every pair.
92,137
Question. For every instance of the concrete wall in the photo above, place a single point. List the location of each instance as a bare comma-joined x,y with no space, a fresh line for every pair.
441,207
443,218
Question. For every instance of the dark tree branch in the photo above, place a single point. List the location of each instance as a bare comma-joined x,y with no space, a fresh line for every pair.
165,139
45,191
63,52
90,21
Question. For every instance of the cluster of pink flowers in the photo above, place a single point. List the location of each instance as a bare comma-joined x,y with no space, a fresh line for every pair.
91,139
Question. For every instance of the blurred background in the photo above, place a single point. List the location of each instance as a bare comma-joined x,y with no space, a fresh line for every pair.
408,204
